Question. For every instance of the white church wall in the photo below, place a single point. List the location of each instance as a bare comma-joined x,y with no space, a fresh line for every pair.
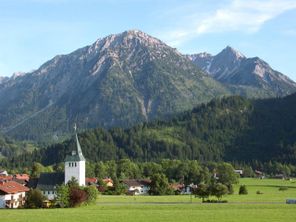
76,170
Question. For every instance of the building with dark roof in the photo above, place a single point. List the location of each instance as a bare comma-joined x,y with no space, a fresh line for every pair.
48,183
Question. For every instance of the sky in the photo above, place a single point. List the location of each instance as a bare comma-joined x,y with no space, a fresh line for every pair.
34,31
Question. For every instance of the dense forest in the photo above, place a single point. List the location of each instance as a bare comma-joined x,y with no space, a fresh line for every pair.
10,148
227,129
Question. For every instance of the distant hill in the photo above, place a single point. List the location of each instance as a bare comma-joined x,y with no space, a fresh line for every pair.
229,129
119,80
251,77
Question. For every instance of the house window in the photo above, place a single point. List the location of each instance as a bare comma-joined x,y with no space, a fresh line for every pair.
75,164
69,164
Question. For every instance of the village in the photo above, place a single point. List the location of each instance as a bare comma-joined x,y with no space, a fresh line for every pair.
13,188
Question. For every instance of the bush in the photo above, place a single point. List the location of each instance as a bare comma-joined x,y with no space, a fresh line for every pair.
230,188
258,192
215,201
202,191
92,194
243,190
219,190
77,197
283,188
34,199
160,185
62,199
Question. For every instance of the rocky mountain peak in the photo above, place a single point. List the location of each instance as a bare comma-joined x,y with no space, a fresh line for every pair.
2,79
127,39
233,68
18,74
231,52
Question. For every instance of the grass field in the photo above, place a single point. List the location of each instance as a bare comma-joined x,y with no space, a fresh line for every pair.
268,206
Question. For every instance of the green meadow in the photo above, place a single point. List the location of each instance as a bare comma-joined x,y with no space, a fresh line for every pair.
269,206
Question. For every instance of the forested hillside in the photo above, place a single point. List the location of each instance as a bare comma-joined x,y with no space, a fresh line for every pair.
229,129
10,148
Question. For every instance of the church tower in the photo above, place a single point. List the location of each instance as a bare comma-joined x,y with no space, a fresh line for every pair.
75,164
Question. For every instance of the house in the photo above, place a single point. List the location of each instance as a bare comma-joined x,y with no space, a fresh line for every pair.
24,177
74,168
12,194
239,172
4,178
91,181
137,186
182,188
108,182
259,174
21,178
48,184
177,188
3,173
32,183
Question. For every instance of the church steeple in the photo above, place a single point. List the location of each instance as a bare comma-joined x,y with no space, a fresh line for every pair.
75,163
78,147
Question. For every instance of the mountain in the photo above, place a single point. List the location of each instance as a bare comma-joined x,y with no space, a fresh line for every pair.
247,76
3,79
230,129
119,80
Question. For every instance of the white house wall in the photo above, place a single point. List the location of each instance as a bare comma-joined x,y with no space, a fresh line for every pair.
140,190
50,194
15,197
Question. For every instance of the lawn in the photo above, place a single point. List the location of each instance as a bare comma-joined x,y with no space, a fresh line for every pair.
175,208
269,188
153,213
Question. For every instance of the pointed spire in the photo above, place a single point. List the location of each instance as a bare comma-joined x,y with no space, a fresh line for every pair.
79,151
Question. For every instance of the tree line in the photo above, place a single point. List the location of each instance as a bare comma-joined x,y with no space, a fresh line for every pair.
230,129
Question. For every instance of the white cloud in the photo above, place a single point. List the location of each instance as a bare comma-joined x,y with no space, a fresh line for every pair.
244,15
240,15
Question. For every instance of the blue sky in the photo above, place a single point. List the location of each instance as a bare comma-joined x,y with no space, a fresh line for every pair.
34,31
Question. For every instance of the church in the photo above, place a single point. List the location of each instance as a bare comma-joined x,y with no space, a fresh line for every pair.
74,167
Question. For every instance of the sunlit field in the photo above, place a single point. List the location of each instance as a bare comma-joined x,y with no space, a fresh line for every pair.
269,206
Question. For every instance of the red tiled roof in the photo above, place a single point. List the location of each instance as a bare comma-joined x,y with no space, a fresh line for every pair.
91,180
22,177
176,186
13,187
5,178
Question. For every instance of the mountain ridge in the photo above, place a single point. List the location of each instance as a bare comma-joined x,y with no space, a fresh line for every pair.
234,69
119,80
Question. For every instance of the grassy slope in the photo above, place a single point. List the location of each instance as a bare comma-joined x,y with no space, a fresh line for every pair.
175,212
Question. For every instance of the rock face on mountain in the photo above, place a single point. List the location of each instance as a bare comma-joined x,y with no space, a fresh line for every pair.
249,76
119,80
3,79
